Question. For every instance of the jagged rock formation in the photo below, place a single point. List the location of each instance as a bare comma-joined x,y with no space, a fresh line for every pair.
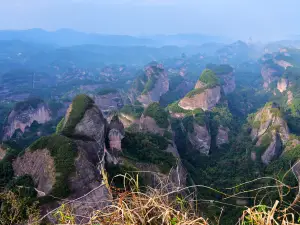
200,138
24,114
108,101
271,132
151,85
206,95
116,133
69,167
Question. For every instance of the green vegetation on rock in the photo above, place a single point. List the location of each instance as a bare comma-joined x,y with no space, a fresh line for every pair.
133,110
209,77
64,151
80,104
155,111
220,69
148,148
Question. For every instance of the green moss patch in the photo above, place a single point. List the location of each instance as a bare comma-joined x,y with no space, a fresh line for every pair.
155,111
80,104
64,151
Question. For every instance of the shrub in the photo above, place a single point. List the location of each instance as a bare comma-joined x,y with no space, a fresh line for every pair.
80,104
64,151
158,114
6,172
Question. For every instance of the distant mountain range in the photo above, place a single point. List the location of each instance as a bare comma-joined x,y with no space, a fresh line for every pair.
67,37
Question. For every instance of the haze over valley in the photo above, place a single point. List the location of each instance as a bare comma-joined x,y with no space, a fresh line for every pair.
149,112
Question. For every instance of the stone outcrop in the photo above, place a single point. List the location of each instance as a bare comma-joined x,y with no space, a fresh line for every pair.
269,75
282,85
151,85
92,125
148,124
21,119
228,83
222,136
205,100
269,128
116,133
200,139
274,150
283,63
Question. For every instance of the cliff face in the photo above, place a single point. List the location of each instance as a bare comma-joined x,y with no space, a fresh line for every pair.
269,75
271,132
20,119
200,139
2,152
205,100
228,84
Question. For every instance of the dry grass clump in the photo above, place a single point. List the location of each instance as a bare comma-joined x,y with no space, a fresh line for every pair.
263,215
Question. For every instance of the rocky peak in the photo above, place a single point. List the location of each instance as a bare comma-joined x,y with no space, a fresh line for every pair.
24,114
206,95
270,130
270,72
150,85
116,133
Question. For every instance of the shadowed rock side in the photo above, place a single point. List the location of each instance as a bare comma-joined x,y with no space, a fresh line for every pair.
23,118
228,84
200,139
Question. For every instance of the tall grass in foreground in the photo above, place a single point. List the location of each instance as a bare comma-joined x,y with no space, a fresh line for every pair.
166,206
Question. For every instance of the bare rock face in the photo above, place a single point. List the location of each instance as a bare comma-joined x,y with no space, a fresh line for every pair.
283,63
109,102
116,133
267,120
42,170
268,124
282,85
92,125
274,150
2,152
200,139
21,119
222,136
228,82
155,85
205,100
269,75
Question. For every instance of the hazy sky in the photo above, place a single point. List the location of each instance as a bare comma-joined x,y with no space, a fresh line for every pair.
232,18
